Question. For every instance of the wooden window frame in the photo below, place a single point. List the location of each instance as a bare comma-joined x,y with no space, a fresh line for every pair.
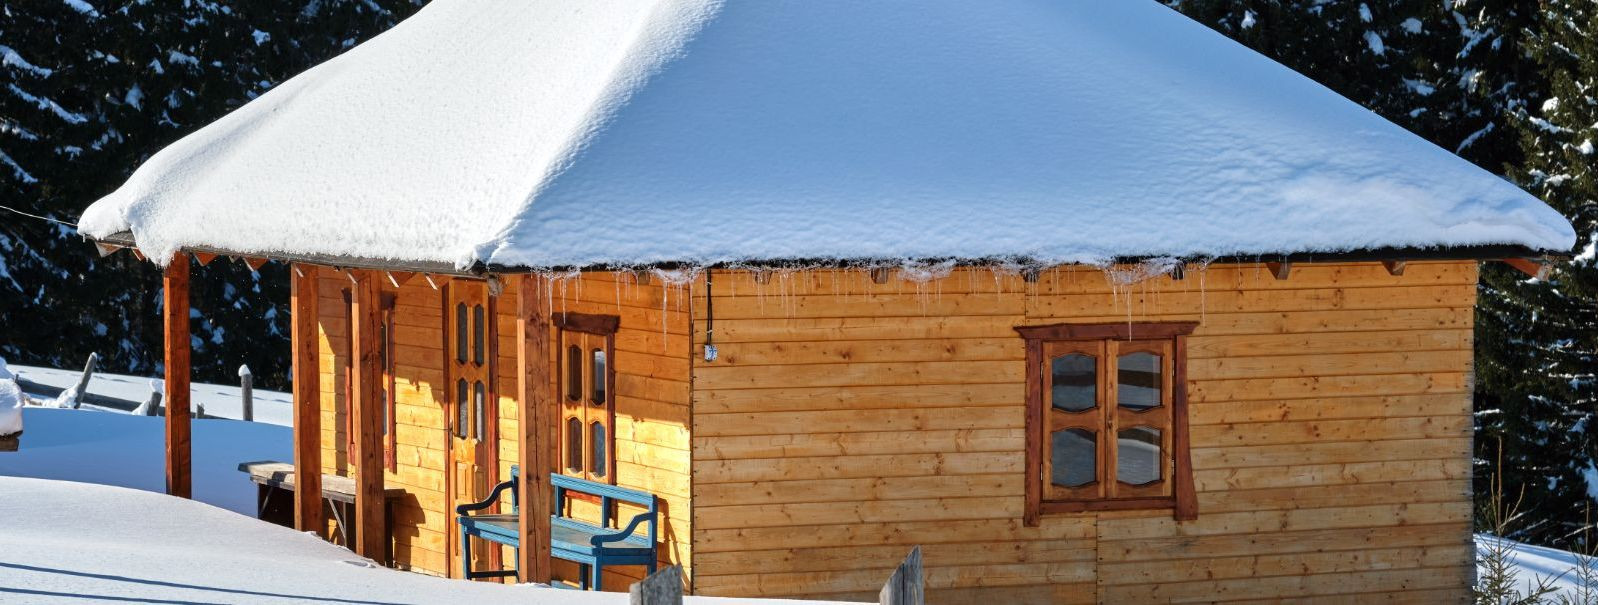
1182,499
603,326
386,303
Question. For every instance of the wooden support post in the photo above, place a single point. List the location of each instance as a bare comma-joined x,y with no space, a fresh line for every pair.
175,309
534,397
1394,267
905,586
663,587
371,537
1280,270
307,401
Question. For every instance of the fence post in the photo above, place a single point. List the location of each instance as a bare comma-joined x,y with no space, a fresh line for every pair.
246,388
905,587
663,587
83,381
152,404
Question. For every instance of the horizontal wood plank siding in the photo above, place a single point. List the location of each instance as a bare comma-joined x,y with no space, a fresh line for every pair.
846,421
419,526
651,399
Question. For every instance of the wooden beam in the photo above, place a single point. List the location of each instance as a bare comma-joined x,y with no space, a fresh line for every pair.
371,536
254,263
1280,270
398,278
1394,267
1532,267
204,258
175,312
535,397
307,400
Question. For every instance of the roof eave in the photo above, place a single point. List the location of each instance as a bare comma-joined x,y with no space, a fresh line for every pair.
125,239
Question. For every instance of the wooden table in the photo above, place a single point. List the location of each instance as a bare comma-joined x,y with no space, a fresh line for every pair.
272,476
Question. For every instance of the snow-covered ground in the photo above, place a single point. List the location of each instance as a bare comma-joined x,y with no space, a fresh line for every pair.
1535,563
64,542
120,449
272,407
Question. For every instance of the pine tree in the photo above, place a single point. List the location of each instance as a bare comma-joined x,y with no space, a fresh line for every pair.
92,93
1538,355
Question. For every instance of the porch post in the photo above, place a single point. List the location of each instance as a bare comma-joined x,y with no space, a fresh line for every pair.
175,311
307,400
371,537
534,386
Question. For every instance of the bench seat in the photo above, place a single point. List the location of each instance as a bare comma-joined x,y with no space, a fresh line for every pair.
591,546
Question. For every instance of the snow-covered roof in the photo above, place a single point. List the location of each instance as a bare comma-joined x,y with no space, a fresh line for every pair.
568,133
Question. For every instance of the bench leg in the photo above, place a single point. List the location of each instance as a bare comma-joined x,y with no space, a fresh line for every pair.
466,554
518,566
593,577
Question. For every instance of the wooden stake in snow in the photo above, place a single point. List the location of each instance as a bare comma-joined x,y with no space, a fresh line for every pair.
83,381
905,586
246,386
663,587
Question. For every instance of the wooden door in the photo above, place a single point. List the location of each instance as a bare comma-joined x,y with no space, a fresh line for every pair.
471,410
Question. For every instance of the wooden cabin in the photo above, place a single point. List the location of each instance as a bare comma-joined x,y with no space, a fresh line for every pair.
1070,368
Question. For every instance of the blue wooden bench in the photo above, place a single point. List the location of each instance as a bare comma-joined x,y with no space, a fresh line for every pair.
591,546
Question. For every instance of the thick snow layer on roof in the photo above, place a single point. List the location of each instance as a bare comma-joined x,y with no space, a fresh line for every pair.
571,133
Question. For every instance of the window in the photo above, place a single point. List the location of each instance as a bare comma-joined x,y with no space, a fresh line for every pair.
587,403
1107,419
471,411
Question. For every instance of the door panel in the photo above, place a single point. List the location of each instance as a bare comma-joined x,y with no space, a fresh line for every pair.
471,405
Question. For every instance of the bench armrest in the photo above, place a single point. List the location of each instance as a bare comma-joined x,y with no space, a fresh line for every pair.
626,532
489,501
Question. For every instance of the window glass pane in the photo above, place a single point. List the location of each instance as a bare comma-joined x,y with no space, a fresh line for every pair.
1075,382
462,409
479,407
478,328
1137,455
574,373
600,378
460,332
574,444
598,464
1140,382
1074,455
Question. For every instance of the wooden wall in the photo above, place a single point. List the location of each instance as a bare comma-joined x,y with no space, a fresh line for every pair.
420,525
651,397
846,421
651,400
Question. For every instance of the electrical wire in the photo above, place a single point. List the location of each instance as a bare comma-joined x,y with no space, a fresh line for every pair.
42,218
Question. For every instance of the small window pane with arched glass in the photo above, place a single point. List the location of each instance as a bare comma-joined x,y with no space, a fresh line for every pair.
1137,456
1075,382
574,372
1139,380
1074,457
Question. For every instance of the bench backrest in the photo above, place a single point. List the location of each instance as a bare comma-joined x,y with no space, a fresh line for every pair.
608,494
